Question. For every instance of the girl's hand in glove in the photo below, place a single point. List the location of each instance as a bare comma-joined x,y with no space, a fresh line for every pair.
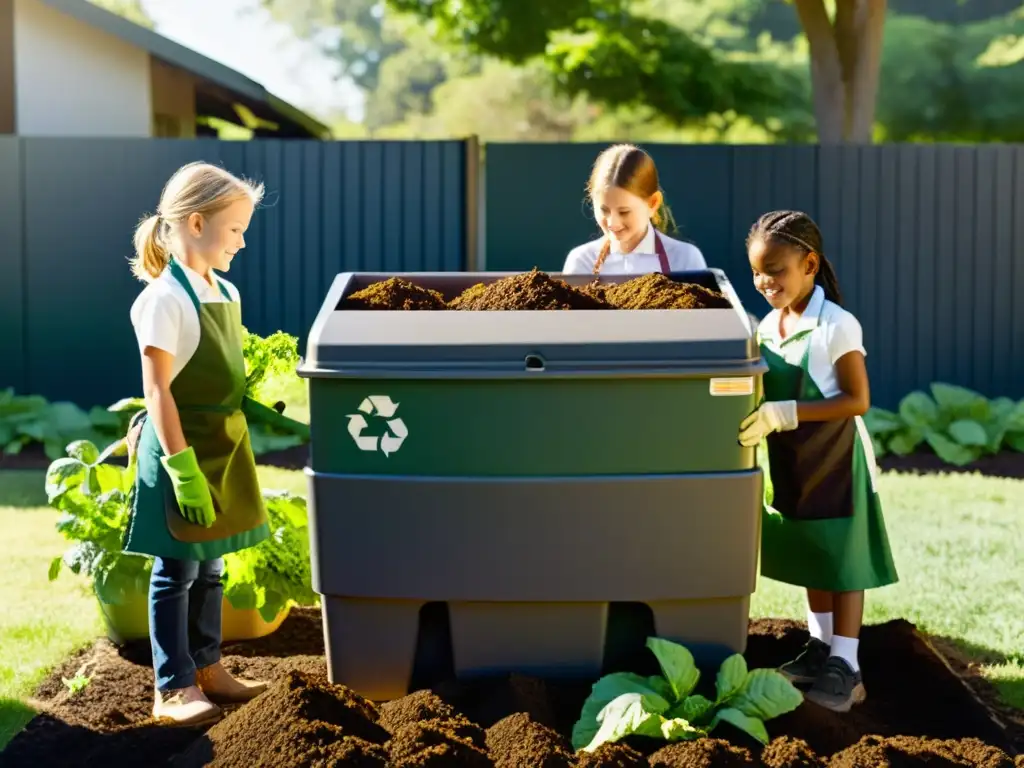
190,487
771,417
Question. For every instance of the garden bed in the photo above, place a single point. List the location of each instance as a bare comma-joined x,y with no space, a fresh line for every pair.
918,712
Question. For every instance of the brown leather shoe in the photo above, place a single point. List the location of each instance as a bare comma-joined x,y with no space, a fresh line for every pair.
221,687
185,707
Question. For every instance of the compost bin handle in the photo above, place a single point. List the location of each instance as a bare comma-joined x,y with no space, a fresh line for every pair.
534,363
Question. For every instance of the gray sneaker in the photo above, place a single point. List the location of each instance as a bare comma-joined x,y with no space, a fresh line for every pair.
838,687
805,668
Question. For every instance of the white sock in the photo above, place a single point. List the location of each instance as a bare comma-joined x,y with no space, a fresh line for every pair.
846,649
820,626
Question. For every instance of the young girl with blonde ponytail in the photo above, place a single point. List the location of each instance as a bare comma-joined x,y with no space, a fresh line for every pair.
196,495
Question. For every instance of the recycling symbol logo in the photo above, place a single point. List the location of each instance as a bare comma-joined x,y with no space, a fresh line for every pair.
378,406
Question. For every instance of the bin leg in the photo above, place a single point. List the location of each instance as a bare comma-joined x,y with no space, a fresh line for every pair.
556,639
710,629
371,644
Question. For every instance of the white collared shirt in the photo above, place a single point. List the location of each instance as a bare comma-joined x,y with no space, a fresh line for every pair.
682,257
834,332
164,316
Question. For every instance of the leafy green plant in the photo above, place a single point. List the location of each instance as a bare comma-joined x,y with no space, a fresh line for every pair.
665,706
958,424
270,365
270,376
76,684
276,572
26,419
92,496
266,357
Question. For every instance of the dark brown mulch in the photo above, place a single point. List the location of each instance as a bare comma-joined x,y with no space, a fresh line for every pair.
917,713
658,291
531,290
397,294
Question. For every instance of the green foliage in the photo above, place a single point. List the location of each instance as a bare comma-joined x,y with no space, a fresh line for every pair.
269,576
26,419
958,424
270,365
270,370
265,357
952,83
666,707
93,497
128,9
611,53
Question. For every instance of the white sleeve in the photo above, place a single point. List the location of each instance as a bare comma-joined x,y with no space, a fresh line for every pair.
696,259
575,263
847,336
157,322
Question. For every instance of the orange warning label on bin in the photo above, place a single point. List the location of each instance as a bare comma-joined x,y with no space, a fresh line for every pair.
732,386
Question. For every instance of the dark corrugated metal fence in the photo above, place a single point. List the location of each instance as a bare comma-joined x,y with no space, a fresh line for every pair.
68,208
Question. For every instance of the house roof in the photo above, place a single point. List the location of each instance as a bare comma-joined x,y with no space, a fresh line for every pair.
254,96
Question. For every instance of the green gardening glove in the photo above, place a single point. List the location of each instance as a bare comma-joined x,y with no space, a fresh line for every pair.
190,487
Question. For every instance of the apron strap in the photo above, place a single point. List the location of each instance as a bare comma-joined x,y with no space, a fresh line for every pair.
659,248
182,278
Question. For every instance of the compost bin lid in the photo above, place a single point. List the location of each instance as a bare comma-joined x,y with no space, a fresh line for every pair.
348,342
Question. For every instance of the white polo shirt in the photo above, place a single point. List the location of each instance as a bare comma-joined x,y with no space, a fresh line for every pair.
164,316
682,257
834,332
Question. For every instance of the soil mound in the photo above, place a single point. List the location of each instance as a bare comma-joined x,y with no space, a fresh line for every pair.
467,297
421,705
785,752
908,752
302,719
612,756
438,743
657,291
529,290
917,713
705,753
395,293
518,740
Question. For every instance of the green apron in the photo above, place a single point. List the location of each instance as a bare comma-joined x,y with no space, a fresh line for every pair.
822,526
209,392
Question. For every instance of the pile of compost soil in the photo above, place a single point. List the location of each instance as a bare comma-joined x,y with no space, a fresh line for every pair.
530,290
536,290
918,713
658,291
394,293
467,297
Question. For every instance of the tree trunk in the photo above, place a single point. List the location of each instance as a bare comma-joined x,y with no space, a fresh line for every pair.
845,62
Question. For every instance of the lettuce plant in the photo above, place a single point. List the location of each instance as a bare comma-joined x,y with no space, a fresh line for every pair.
958,424
93,497
665,706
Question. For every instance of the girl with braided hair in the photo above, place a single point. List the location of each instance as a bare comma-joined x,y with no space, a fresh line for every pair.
630,210
823,527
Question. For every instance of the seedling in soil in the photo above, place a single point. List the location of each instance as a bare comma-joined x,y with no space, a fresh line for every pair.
666,707
77,684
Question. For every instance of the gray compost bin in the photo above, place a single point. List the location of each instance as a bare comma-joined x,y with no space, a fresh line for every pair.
518,476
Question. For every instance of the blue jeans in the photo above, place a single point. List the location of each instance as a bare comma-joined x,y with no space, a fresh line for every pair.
184,619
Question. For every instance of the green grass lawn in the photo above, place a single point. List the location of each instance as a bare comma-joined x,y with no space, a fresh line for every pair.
958,542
